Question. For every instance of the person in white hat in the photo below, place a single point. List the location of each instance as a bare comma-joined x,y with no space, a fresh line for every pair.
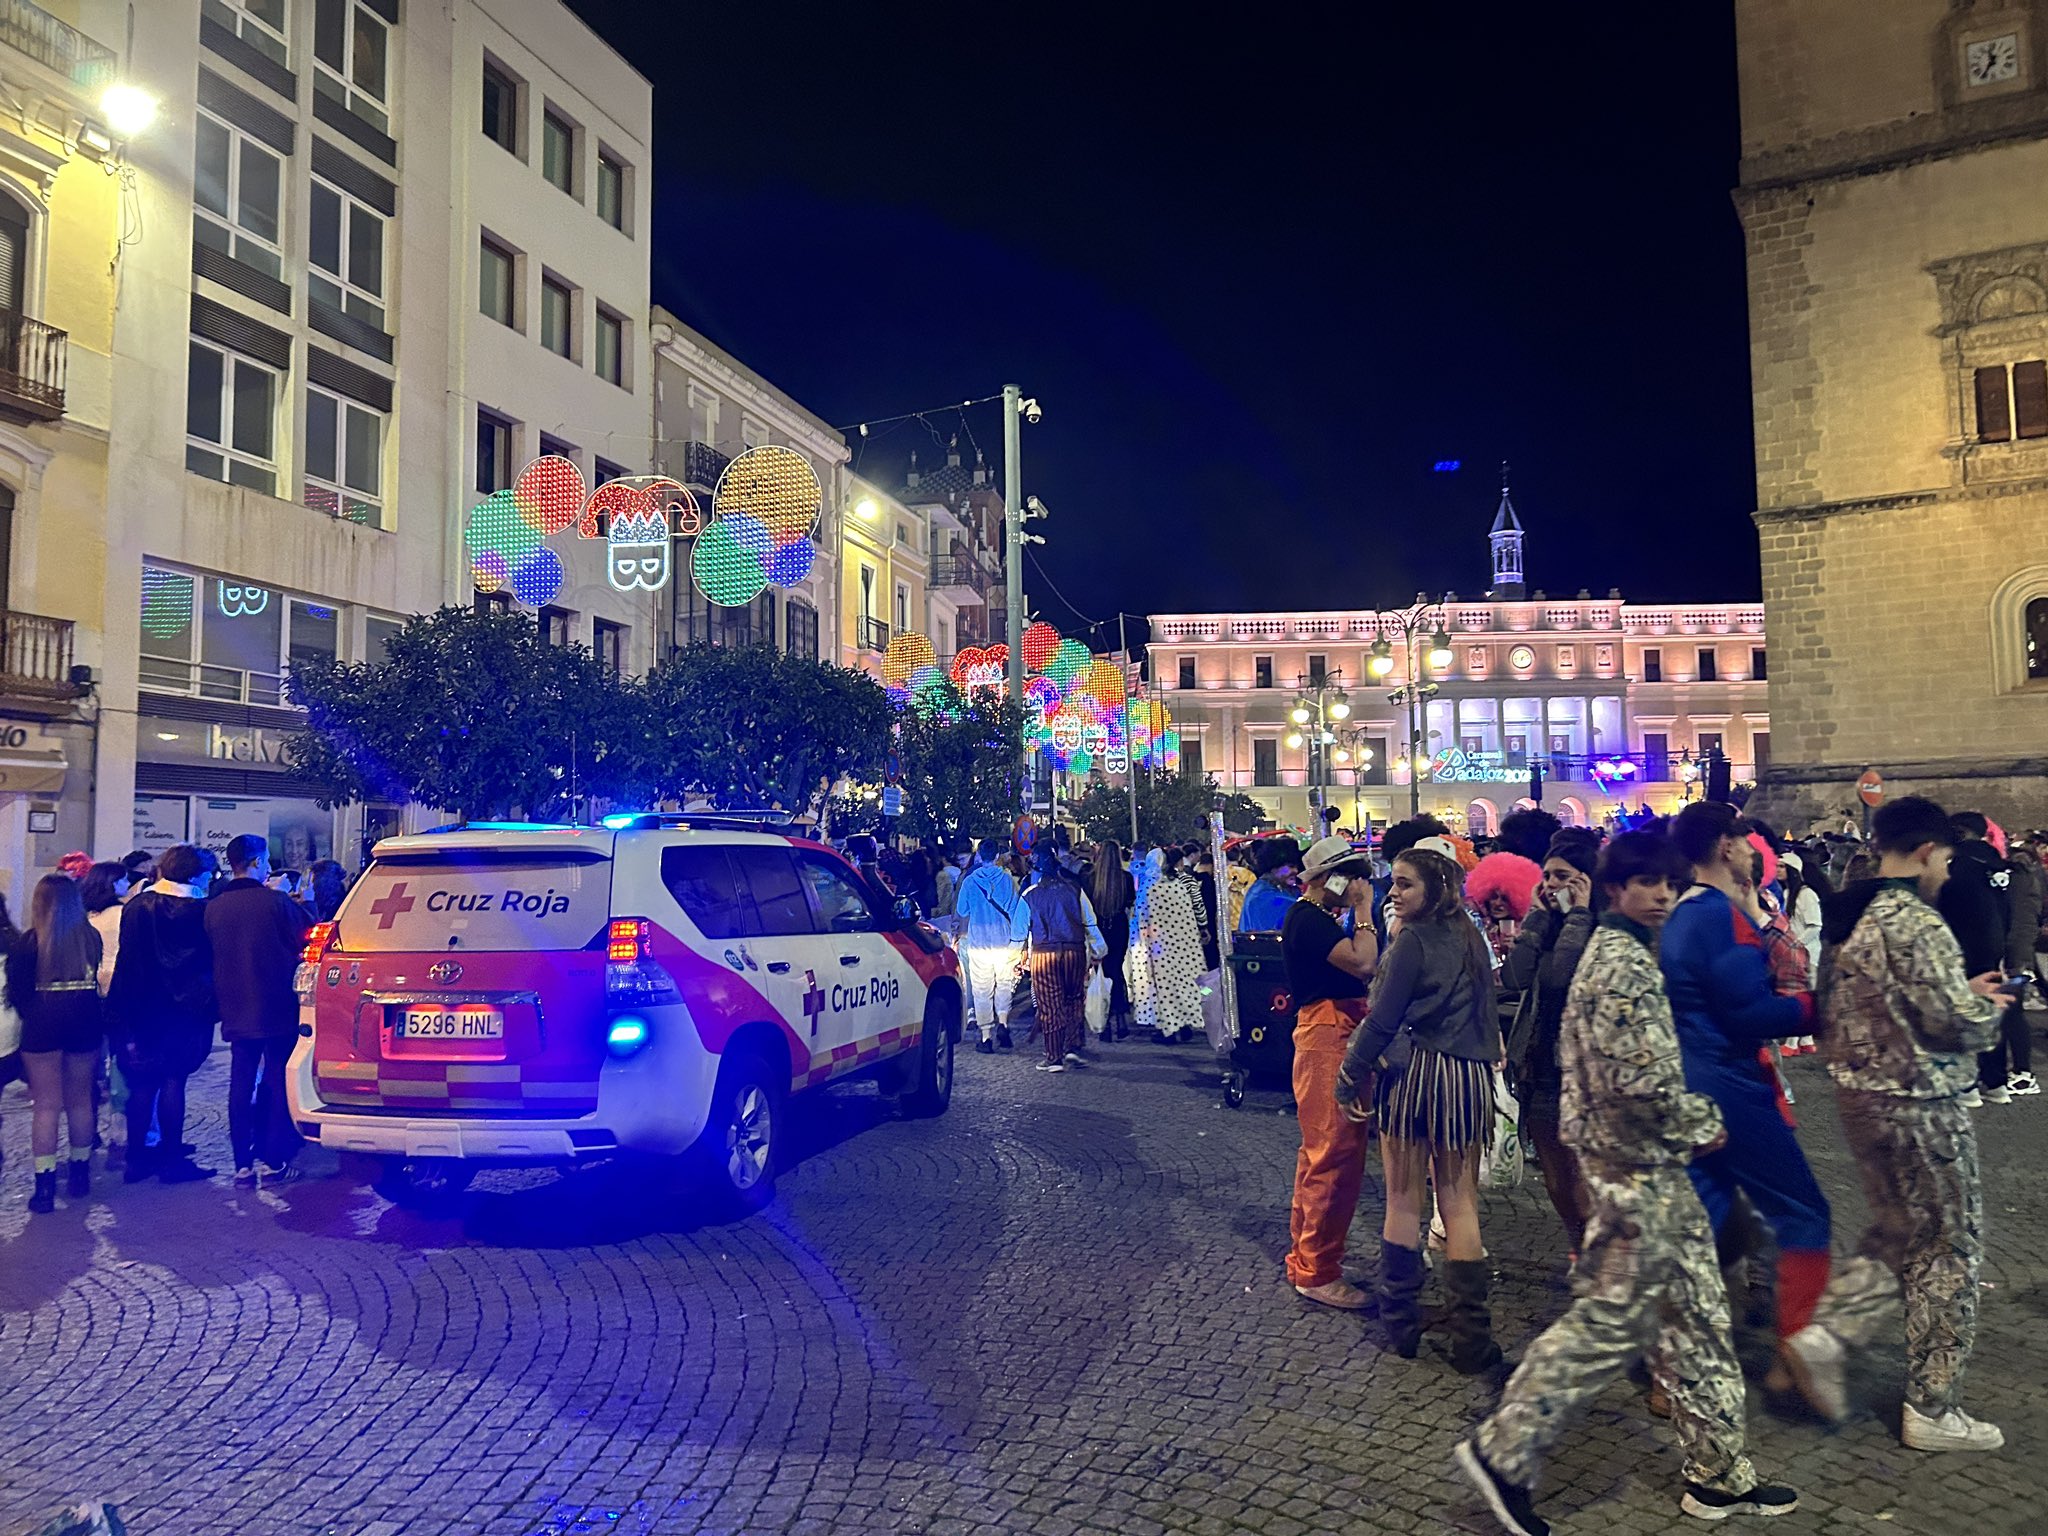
1327,971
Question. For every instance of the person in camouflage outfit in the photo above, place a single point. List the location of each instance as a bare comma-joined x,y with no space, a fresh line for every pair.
1647,1280
1903,1026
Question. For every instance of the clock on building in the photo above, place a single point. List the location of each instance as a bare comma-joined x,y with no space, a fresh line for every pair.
1992,60
1521,658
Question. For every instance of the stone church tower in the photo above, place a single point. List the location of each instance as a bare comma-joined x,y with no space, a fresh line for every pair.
1894,194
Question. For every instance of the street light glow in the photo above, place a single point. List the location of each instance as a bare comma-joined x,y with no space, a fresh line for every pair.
1340,707
1382,658
1439,650
1300,713
1294,738
865,509
128,109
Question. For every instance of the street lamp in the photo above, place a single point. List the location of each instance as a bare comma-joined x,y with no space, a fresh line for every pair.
1321,700
128,110
1411,623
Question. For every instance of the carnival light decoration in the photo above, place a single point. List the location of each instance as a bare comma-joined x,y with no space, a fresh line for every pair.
906,663
1040,641
1609,771
237,600
548,495
983,666
762,515
725,570
537,579
166,602
637,547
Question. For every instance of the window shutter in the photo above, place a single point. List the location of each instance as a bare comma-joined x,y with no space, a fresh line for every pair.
1994,418
2030,399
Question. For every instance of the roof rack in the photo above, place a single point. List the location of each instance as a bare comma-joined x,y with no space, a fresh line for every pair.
708,821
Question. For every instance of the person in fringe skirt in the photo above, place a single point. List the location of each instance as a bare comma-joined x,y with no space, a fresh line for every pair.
1433,1035
1057,922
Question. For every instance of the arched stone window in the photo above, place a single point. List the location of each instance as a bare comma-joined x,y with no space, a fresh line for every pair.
2019,631
2037,640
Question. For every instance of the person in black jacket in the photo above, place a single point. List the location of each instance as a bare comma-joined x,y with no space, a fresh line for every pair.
1541,967
1977,906
163,1010
52,973
257,934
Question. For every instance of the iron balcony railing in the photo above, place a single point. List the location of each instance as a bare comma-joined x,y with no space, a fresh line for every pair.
35,657
702,465
33,361
959,571
871,635
209,680
56,44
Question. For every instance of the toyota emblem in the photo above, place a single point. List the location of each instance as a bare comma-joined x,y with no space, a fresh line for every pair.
443,972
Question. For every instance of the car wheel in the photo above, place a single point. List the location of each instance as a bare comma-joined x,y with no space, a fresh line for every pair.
423,1183
934,1087
742,1140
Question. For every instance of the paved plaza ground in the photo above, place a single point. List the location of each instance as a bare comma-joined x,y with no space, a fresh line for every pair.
1056,1310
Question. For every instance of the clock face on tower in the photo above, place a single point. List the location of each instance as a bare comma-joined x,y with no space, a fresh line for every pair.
1991,60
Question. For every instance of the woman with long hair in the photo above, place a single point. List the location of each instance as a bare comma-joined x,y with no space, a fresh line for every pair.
10,1020
163,1010
52,981
1431,1038
330,884
1113,892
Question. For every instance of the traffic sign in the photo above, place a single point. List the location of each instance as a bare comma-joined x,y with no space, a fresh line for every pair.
1870,788
1024,835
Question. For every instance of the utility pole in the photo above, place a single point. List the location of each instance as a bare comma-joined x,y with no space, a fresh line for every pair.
1013,535
1123,649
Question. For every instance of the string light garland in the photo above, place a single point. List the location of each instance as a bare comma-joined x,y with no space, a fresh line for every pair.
167,601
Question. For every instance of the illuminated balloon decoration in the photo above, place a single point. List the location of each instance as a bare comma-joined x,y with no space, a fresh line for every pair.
548,495
762,515
908,655
537,579
726,572
1040,641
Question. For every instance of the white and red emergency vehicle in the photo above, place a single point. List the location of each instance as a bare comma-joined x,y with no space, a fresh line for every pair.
518,994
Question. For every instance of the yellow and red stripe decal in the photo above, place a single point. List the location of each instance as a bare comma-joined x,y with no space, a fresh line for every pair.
855,1054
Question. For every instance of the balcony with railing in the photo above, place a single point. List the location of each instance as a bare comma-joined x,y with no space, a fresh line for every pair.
871,634
33,361
959,577
701,465
209,680
56,45
36,657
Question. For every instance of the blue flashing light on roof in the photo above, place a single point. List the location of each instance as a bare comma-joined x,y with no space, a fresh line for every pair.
618,821
1448,466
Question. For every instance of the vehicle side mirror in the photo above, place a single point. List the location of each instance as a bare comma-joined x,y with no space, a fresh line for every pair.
906,910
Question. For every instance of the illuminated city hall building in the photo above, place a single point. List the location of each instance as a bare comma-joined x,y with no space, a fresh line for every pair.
1607,703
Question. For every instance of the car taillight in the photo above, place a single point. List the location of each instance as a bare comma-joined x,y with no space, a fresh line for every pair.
319,939
633,978
627,940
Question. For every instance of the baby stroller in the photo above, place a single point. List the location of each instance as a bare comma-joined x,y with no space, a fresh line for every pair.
1258,1044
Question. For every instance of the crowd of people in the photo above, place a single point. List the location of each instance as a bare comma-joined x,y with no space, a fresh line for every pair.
115,986
1630,999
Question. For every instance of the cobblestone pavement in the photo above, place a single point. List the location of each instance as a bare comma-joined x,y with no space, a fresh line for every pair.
1057,1310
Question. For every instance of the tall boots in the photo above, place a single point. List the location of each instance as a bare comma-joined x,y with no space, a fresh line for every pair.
1467,1319
1400,1308
44,1200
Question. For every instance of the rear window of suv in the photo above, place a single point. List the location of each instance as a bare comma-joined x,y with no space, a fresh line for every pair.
457,899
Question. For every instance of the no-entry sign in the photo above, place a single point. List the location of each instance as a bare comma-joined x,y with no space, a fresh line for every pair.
1870,788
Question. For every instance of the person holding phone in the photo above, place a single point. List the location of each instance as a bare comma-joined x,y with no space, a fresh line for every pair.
1904,1017
1327,971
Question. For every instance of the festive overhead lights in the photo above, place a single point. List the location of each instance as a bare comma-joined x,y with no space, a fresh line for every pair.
548,495
489,570
1068,661
982,666
167,600
1040,641
725,572
537,578
495,524
907,652
237,601
638,551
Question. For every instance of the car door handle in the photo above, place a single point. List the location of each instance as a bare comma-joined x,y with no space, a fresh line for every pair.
849,959
778,966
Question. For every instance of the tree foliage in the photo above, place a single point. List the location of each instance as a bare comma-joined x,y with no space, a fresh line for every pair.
961,757
751,726
473,713
1172,808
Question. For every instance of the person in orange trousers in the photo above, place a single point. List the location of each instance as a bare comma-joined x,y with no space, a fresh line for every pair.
1327,971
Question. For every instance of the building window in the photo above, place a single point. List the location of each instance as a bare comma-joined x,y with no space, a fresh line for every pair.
1709,744
501,107
1265,762
259,23
344,458
2037,640
351,46
493,452
1656,755
801,622
237,186
611,347
231,418
1653,665
1710,665
611,191
558,152
554,625
1318,670
608,640
1760,750
1262,671
346,243
1187,672
491,602
377,637
2012,402
1758,668
1191,757
902,608
557,305
495,287
607,470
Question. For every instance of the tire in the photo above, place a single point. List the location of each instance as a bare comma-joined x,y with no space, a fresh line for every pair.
423,1184
933,1090
740,1151
1233,1090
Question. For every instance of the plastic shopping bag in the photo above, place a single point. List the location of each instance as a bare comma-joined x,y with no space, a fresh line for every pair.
1501,1166
1096,1006
1211,984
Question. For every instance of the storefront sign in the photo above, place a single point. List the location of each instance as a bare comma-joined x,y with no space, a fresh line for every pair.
161,821
1454,765
182,740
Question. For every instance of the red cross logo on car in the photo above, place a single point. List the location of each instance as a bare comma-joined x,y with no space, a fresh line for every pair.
814,1000
392,905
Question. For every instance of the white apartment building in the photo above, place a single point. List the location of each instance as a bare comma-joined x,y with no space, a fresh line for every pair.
708,407
371,257
1561,685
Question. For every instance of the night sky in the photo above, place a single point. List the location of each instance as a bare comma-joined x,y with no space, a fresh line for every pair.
1263,270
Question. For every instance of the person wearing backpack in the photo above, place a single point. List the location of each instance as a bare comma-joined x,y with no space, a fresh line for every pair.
163,1010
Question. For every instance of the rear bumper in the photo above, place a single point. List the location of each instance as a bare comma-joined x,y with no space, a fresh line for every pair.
655,1100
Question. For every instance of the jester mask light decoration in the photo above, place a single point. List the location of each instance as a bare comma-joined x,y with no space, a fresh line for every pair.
638,543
